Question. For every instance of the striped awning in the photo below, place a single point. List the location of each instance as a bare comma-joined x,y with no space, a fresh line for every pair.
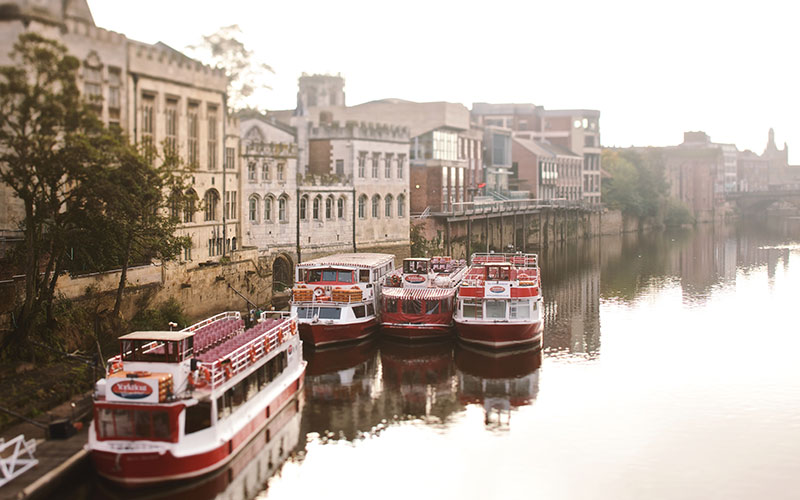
419,293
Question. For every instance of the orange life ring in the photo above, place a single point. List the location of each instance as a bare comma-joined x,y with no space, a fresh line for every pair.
319,292
266,345
293,327
227,368
252,354
116,367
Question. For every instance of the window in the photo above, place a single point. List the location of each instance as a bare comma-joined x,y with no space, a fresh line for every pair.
329,208
114,100
376,203
267,208
519,309
340,168
282,209
189,208
495,309
93,84
251,172
171,119
198,417
401,206
400,161
362,207
303,207
317,207
230,159
359,311
212,137
412,306
375,159
388,166
230,205
192,121
388,206
265,171
148,126
362,164
340,208
473,310
253,209
211,200
280,172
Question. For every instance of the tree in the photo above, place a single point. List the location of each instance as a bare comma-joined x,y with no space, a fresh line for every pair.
636,185
46,132
246,75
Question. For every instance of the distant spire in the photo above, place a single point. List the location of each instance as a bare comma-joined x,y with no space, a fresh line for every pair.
771,147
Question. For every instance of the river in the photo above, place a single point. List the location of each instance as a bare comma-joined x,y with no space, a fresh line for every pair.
669,370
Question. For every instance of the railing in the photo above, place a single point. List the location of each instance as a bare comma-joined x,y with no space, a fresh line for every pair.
208,321
239,359
508,205
15,463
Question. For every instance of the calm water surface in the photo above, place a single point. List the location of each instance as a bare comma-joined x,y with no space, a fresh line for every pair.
669,370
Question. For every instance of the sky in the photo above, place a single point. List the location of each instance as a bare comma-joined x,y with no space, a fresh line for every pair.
653,69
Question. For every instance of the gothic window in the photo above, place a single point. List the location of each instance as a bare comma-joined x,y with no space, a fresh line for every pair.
192,129
362,207
253,205
212,137
211,201
362,164
316,207
375,160
268,208
251,172
303,207
400,161
282,209
401,206
388,166
189,208
171,116
329,208
376,204
388,206
340,208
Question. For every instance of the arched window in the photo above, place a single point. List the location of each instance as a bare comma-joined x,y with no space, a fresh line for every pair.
211,201
282,201
340,208
317,207
329,207
268,208
190,208
303,207
388,206
376,206
253,209
362,207
401,206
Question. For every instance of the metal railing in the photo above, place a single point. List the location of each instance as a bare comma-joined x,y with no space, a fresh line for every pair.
18,460
510,205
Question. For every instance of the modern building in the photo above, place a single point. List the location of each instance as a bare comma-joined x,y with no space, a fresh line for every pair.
158,96
546,171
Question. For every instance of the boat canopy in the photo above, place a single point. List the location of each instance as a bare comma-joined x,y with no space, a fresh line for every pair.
418,293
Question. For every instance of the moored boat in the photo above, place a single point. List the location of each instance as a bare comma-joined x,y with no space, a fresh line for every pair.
417,300
178,405
499,301
336,297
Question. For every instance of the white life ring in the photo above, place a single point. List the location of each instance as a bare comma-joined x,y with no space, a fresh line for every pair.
318,292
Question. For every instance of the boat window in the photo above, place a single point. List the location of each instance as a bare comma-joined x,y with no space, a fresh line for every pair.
161,425
497,273
223,406
370,309
345,277
128,424
495,309
252,385
389,305
473,310
142,424
432,306
238,396
105,423
305,312
447,305
124,423
412,306
198,417
359,311
314,275
330,313
519,309
328,275
363,276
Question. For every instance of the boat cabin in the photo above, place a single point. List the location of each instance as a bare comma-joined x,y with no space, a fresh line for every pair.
333,276
416,266
500,271
157,347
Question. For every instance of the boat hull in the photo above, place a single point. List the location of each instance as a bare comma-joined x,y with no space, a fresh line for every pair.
412,331
500,335
132,470
320,335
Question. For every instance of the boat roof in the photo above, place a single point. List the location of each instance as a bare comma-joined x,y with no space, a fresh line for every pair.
417,258
418,293
366,260
164,336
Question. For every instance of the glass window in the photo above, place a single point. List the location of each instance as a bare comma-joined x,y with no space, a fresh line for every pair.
400,160
519,309
267,209
316,207
375,159
362,163
330,313
388,166
198,417
345,277
253,210
303,207
473,310
282,209
329,208
376,203
328,275
362,202
161,425
364,275
495,309
412,306
389,305
340,208
401,206
359,311
432,306
314,276
388,206
142,424
124,421
105,422
370,309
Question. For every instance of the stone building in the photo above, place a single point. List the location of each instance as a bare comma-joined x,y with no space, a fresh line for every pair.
575,130
752,172
158,96
694,172
546,171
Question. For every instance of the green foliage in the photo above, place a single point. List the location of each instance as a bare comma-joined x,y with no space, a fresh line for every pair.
636,185
423,247
246,75
158,318
677,214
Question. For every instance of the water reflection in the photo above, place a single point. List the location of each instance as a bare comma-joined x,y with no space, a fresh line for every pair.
498,381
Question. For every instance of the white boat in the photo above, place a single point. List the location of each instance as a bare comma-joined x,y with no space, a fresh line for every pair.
177,405
336,298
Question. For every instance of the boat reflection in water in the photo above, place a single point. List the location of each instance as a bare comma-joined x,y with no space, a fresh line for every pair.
501,381
245,477
419,378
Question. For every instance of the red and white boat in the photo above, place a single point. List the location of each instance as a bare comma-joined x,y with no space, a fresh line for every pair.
499,302
336,297
417,300
177,405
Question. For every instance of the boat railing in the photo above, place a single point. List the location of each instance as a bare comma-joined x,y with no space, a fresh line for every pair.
217,372
515,259
212,319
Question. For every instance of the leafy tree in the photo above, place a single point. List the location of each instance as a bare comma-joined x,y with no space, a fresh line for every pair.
246,75
636,185
46,132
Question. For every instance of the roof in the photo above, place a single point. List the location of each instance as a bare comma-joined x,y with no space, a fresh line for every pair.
418,293
166,336
367,260
546,149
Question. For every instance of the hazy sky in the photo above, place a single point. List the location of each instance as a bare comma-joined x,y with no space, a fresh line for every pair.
653,69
